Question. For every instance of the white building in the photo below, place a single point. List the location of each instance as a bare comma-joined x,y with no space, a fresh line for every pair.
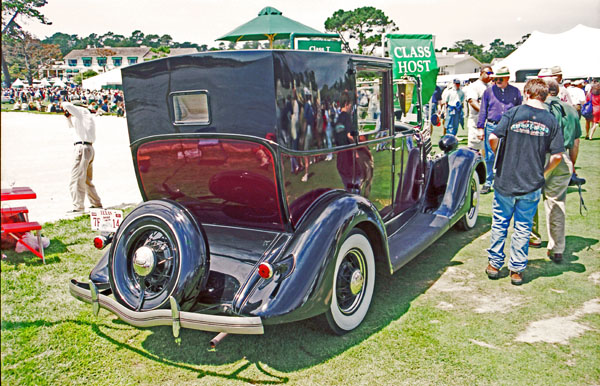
104,59
451,63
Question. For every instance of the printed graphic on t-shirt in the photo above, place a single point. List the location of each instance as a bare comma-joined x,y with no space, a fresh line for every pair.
530,127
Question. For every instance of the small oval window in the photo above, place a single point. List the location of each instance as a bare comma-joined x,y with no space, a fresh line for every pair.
191,108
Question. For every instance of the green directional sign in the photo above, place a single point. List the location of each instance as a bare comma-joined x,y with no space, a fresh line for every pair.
320,45
414,55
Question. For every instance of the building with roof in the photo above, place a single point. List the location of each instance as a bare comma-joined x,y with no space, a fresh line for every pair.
451,63
104,59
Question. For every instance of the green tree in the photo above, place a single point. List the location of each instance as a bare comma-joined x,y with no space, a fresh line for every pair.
88,74
11,9
498,49
28,54
136,38
65,42
467,46
363,25
165,41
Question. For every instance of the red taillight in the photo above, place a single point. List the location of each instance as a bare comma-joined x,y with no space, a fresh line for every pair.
99,242
265,270
102,241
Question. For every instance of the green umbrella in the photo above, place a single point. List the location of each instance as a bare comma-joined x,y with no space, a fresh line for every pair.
269,24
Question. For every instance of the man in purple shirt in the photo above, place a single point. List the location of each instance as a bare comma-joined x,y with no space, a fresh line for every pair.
496,100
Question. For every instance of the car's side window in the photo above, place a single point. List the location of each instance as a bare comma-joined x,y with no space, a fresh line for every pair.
369,89
191,107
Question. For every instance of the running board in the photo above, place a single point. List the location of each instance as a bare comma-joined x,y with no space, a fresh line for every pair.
413,238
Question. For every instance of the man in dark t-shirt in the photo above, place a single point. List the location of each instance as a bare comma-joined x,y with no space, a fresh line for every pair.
528,132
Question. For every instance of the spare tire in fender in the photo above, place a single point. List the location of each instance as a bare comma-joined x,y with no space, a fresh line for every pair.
172,257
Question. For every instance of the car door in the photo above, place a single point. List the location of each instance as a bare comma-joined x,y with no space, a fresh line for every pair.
373,158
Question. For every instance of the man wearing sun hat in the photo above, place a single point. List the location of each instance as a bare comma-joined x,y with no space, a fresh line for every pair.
495,101
556,73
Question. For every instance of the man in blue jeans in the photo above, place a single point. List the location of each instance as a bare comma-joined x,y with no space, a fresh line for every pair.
496,100
528,132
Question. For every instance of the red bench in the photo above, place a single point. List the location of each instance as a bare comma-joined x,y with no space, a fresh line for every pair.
15,211
19,227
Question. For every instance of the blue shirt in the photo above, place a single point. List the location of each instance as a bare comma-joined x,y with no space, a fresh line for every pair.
496,101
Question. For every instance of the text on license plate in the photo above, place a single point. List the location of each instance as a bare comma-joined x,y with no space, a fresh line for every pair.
105,220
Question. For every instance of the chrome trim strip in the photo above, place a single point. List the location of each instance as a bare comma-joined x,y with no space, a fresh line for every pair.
164,317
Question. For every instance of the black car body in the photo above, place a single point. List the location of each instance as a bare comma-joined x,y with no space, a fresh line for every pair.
272,180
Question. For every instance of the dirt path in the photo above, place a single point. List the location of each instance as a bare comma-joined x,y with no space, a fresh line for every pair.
37,152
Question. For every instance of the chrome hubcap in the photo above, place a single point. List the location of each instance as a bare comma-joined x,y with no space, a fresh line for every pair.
356,282
144,261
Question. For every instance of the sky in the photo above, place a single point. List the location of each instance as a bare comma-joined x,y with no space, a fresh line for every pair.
202,21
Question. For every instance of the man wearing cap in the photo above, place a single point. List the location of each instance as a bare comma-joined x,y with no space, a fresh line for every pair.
84,135
453,99
528,132
557,181
556,73
495,101
473,94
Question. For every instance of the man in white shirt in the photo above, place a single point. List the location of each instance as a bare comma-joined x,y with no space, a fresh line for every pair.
473,94
453,99
84,135
577,94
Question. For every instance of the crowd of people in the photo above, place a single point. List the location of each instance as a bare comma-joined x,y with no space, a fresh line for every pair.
49,99
530,142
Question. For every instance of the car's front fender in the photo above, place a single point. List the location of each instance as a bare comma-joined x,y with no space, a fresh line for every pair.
462,164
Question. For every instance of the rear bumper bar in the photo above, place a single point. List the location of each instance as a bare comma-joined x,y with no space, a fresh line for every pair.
87,292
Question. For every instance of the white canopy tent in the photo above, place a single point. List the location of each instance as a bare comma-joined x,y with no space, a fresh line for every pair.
109,78
573,50
18,83
58,83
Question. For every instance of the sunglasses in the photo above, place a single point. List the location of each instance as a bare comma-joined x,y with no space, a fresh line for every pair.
490,72
499,80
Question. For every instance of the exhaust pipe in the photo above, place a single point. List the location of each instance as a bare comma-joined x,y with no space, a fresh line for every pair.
217,339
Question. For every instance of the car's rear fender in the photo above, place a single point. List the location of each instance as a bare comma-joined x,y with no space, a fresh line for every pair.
303,271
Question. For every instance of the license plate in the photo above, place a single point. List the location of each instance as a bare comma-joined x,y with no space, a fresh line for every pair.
105,220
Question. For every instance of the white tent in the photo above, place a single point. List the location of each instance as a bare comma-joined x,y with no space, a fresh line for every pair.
573,50
112,77
59,83
18,83
45,83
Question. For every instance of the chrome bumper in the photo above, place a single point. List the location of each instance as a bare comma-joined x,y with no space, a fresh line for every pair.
87,292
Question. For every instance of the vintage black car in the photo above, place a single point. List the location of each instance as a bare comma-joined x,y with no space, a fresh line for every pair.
272,182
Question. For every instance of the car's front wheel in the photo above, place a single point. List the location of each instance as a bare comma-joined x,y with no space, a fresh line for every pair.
353,283
470,218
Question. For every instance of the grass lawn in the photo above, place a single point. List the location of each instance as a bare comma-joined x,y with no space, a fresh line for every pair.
439,320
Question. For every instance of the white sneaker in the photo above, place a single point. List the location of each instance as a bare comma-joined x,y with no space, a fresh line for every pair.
305,178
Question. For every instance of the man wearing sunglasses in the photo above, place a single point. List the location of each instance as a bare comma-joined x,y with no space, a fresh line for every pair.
496,100
473,94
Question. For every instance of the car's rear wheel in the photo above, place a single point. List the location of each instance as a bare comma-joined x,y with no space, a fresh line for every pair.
470,218
353,283
158,251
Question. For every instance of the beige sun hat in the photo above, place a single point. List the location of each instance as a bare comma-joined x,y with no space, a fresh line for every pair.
502,72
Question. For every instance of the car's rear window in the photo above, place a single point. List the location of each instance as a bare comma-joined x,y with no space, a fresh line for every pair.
221,181
191,107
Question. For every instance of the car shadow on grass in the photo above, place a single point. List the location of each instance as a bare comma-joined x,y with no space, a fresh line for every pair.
294,346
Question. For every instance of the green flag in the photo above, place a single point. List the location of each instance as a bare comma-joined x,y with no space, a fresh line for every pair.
414,55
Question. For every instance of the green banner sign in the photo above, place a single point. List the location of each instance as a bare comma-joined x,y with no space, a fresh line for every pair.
320,45
414,55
